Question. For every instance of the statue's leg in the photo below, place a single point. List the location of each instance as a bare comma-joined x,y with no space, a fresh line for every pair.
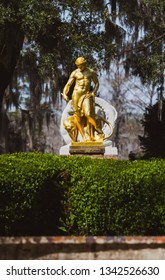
92,121
75,134
71,135
80,126
90,131
89,112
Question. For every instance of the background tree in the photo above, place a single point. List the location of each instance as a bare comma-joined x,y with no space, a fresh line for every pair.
77,27
128,97
153,141
49,35
44,34
142,52
52,29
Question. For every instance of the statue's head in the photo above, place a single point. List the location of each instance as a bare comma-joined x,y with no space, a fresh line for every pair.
81,63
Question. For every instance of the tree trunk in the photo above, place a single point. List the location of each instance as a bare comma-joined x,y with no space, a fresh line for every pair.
11,41
4,125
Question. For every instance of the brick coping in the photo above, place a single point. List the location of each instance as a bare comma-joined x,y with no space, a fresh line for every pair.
83,240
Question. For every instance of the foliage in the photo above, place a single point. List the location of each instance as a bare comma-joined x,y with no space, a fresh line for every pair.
100,31
42,194
118,198
31,193
146,53
39,41
54,29
153,141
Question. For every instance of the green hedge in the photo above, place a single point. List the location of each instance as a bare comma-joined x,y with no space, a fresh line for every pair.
42,194
31,191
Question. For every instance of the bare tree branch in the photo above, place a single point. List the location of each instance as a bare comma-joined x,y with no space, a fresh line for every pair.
154,40
145,46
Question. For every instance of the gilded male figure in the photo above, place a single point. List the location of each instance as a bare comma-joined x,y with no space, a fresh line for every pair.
83,101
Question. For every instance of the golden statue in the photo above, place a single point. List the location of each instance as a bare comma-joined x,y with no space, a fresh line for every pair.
83,104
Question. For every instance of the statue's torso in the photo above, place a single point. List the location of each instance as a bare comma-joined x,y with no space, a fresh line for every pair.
83,81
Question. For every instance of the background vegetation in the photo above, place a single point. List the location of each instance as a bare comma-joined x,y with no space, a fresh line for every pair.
42,194
39,41
153,141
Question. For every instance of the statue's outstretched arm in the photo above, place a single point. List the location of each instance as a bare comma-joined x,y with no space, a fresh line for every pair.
67,87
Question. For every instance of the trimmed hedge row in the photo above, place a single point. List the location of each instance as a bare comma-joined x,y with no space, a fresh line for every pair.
31,190
42,194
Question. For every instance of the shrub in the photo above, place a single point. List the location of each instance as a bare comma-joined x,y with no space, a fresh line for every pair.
42,194
30,193
117,198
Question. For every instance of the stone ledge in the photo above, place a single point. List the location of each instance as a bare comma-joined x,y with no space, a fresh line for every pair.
81,247
83,240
